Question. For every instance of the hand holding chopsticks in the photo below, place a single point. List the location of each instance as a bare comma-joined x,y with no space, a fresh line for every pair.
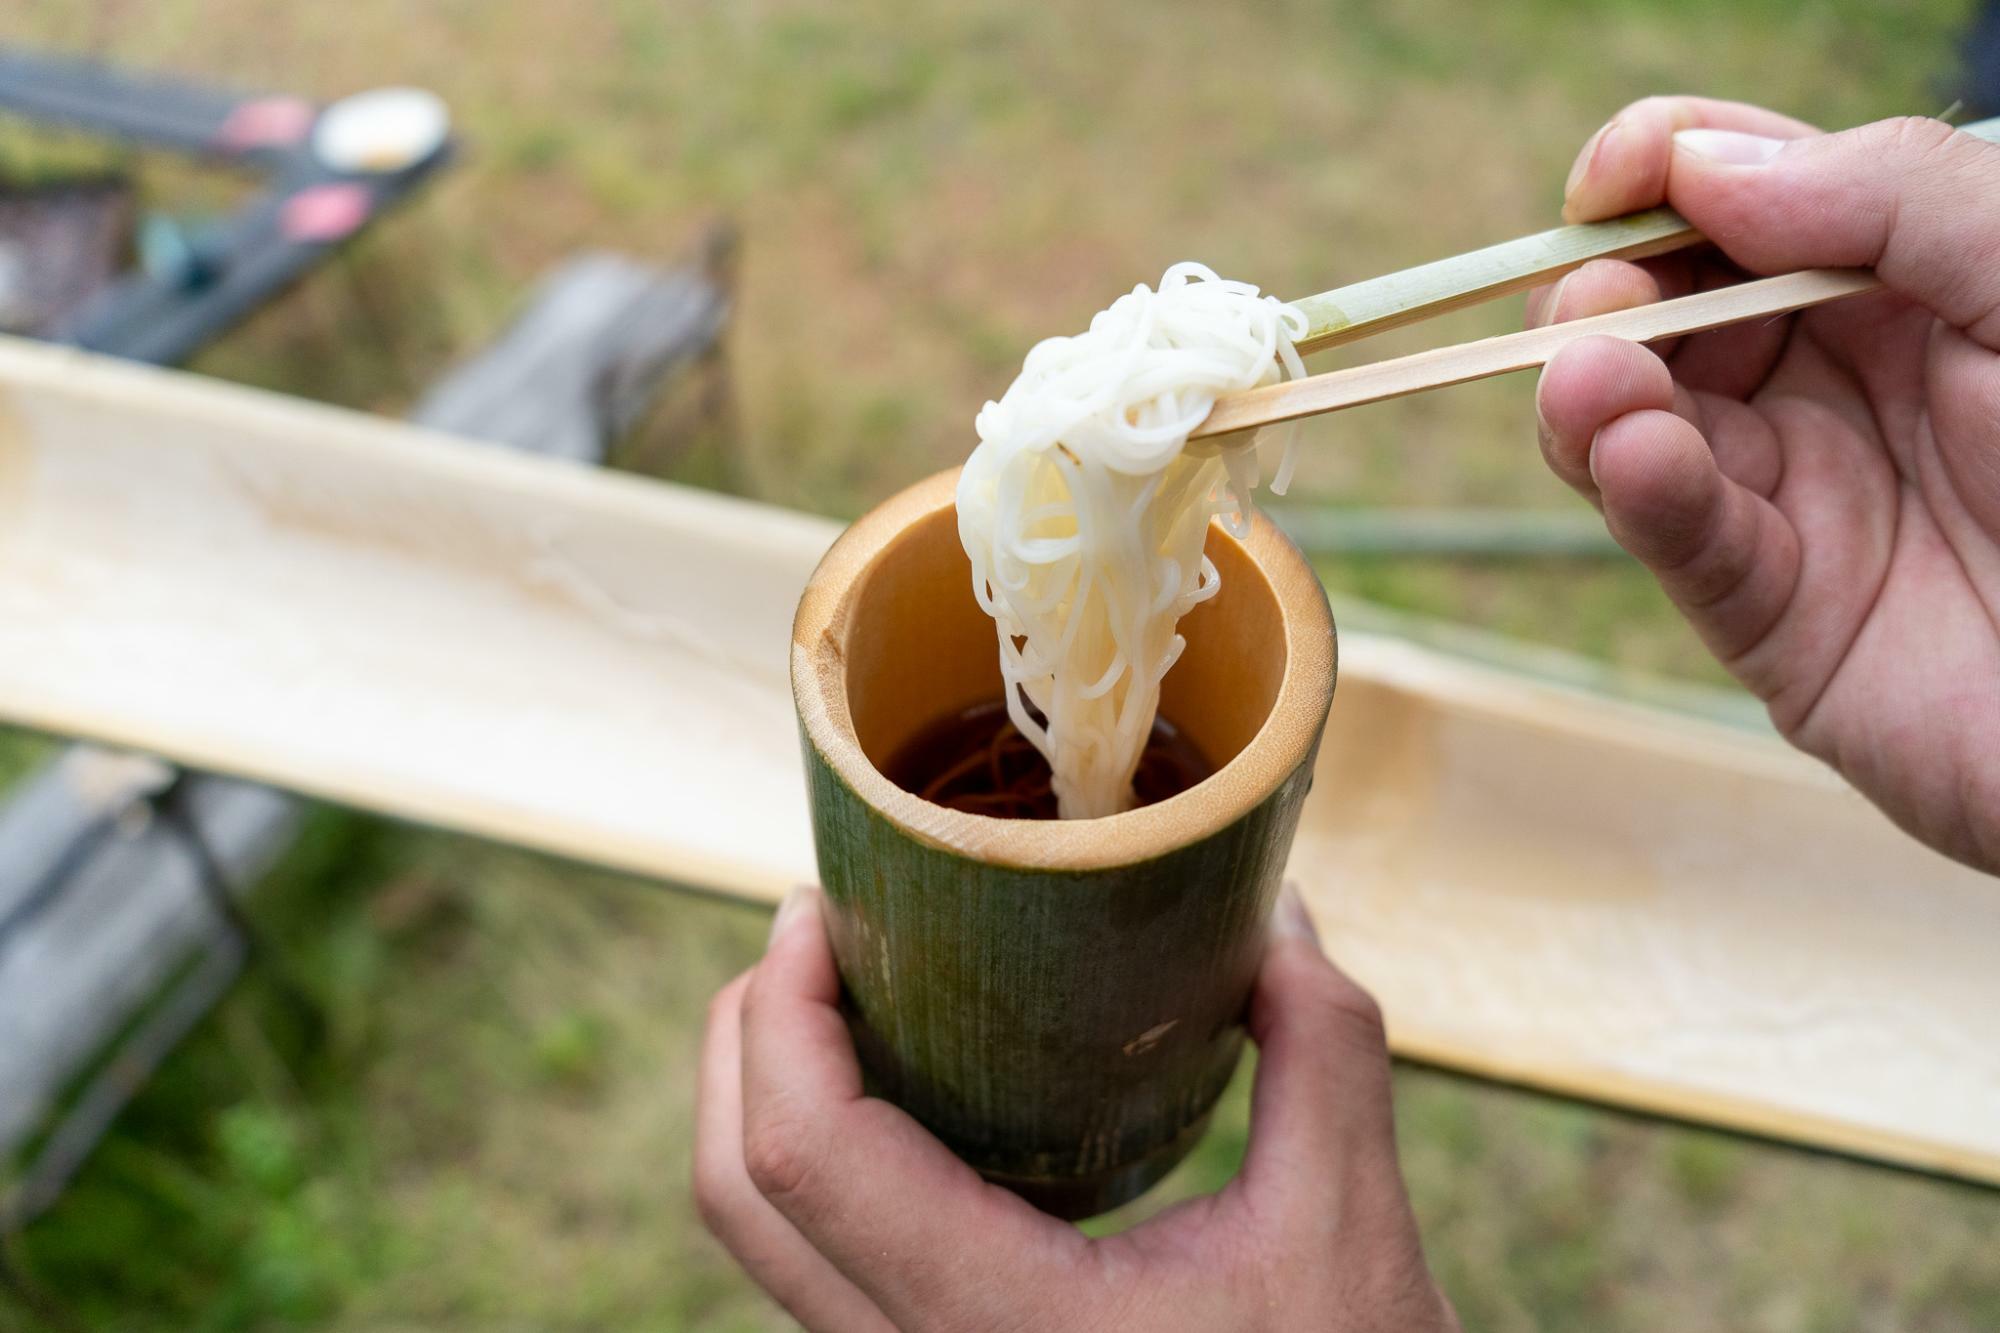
1823,509
1397,299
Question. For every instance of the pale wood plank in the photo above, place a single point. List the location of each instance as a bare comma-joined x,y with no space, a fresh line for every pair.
1603,899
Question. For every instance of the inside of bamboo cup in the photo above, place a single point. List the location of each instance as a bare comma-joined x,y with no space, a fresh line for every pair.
918,648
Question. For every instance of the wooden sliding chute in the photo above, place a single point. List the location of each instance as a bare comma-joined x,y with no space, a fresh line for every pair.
1540,885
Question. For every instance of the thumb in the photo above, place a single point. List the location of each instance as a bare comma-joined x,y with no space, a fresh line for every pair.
1913,199
1321,1124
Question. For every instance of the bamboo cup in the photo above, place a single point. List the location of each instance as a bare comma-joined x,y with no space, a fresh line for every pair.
1060,1001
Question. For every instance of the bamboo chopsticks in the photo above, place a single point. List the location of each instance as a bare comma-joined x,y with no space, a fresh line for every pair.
1376,305
1397,299
1464,362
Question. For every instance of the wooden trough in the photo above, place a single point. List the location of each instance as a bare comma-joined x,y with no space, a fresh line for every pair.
1612,901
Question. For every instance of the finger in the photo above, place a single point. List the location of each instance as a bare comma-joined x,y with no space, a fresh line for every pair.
1597,288
913,1226
1964,404
1321,1179
1739,435
1593,382
1584,386
1322,1136
1605,287
1624,166
1723,553
770,1249
1736,360
1910,198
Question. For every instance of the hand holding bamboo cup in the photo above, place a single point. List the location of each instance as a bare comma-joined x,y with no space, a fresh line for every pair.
1059,1000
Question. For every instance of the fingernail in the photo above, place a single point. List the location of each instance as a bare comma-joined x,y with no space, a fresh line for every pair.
1291,920
1552,307
1581,167
1590,460
795,904
1728,147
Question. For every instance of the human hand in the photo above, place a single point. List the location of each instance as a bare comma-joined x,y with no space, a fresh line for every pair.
1819,494
854,1217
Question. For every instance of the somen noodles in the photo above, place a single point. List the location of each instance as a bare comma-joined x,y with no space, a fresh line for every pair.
1085,517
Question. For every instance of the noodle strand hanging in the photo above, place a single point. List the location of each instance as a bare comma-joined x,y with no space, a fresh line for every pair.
1085,519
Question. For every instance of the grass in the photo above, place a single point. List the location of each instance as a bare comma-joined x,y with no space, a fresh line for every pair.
20,752
481,1120
484,1120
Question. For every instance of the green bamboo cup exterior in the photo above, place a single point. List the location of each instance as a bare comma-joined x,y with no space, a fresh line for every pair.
1059,1001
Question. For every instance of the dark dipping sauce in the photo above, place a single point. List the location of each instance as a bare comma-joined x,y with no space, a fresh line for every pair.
977,761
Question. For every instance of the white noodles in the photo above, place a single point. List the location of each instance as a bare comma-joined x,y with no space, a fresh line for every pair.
1085,520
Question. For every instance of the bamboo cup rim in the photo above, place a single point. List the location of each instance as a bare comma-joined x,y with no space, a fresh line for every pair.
1283,743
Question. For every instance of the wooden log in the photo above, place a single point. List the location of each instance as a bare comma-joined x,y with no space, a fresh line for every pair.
579,368
125,914
1603,899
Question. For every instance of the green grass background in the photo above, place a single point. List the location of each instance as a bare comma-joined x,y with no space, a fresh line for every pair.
487,1125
